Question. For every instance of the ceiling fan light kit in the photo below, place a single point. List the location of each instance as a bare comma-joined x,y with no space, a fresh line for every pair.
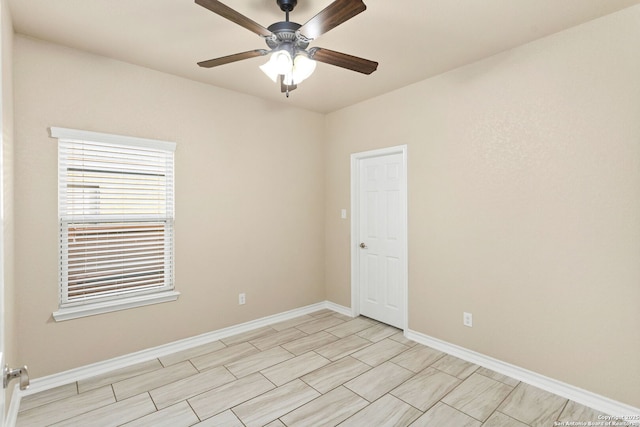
290,62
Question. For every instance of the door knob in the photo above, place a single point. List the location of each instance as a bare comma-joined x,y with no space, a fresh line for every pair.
363,246
9,374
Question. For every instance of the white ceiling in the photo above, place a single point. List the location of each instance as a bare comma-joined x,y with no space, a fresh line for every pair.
411,39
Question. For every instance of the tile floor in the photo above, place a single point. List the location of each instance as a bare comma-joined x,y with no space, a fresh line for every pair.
322,369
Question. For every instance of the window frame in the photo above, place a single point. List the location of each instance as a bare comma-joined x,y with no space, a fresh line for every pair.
97,305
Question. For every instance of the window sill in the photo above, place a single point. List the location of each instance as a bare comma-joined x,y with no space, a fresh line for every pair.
69,313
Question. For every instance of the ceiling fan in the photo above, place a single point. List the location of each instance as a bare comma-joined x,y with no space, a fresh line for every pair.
290,61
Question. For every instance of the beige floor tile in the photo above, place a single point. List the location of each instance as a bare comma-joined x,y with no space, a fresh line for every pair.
335,374
224,356
322,313
441,415
294,368
280,337
425,389
378,332
259,361
66,408
299,379
498,377
154,379
185,388
498,419
351,327
379,352
575,412
225,419
118,375
319,324
309,342
533,406
387,411
272,405
113,415
178,415
229,395
380,380
48,396
327,410
455,366
478,396
181,356
343,347
248,336
281,326
418,358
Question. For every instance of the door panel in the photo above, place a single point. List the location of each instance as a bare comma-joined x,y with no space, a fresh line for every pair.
371,278
380,228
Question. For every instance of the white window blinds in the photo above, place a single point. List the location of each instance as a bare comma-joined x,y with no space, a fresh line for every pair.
116,211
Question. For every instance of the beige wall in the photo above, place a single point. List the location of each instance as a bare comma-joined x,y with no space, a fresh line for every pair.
249,207
524,203
10,324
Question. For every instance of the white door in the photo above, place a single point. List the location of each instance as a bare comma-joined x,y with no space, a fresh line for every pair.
381,243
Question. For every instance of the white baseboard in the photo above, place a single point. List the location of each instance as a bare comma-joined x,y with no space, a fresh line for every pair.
94,369
583,397
339,308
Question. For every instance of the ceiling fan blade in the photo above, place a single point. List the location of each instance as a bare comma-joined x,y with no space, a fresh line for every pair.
333,15
232,58
286,88
226,12
343,60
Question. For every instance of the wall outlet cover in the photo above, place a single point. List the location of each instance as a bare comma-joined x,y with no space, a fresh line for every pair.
467,319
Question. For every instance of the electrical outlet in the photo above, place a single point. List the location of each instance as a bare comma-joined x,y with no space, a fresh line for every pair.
242,298
467,319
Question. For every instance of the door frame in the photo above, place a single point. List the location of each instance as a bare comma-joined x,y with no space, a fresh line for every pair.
3,11
356,161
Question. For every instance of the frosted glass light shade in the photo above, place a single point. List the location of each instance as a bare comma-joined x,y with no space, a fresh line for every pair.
303,67
280,62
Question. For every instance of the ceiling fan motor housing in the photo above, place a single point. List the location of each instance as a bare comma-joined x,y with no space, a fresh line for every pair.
285,32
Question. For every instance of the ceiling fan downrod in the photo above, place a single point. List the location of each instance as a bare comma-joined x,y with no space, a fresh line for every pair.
287,6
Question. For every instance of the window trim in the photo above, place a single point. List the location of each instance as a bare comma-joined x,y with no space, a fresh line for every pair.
85,135
73,311
91,309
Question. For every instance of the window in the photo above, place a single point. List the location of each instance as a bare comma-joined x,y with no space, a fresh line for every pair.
116,214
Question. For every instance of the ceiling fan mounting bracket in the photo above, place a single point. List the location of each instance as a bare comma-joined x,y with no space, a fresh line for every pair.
287,5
